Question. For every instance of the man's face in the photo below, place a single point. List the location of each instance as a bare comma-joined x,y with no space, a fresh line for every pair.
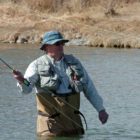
56,51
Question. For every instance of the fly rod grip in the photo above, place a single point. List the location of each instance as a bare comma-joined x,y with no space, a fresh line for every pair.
26,82
18,75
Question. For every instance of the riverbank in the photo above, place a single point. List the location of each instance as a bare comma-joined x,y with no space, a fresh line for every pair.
91,27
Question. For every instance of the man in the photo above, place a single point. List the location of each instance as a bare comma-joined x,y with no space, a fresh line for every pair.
58,80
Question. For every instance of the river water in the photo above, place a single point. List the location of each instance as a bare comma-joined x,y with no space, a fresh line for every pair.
115,73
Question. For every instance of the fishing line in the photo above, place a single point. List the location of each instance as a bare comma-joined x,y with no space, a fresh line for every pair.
59,110
74,109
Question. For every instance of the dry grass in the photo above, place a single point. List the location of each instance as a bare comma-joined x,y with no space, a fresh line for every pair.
110,23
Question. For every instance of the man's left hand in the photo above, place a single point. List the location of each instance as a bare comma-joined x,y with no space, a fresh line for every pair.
103,116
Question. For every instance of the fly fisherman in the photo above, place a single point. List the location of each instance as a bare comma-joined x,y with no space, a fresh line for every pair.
58,80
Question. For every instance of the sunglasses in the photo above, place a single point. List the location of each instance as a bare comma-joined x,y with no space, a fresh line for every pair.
60,43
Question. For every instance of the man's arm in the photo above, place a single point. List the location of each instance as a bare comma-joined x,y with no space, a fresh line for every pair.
95,99
30,76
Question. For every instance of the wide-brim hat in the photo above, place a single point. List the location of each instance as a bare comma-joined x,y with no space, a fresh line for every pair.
51,38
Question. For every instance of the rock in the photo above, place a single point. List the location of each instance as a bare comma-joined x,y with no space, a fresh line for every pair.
23,39
78,42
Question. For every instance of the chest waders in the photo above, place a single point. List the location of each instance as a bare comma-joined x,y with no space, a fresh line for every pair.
55,117
58,115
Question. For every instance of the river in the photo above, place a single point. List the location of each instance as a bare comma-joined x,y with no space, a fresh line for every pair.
115,73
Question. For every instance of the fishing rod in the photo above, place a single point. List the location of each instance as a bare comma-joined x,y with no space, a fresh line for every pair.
25,81
10,67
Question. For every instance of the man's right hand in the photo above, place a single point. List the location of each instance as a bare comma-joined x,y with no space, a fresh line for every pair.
18,76
103,116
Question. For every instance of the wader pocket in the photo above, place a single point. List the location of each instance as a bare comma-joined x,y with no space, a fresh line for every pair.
49,79
54,123
50,83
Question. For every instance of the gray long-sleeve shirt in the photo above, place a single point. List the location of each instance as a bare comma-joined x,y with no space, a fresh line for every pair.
91,93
